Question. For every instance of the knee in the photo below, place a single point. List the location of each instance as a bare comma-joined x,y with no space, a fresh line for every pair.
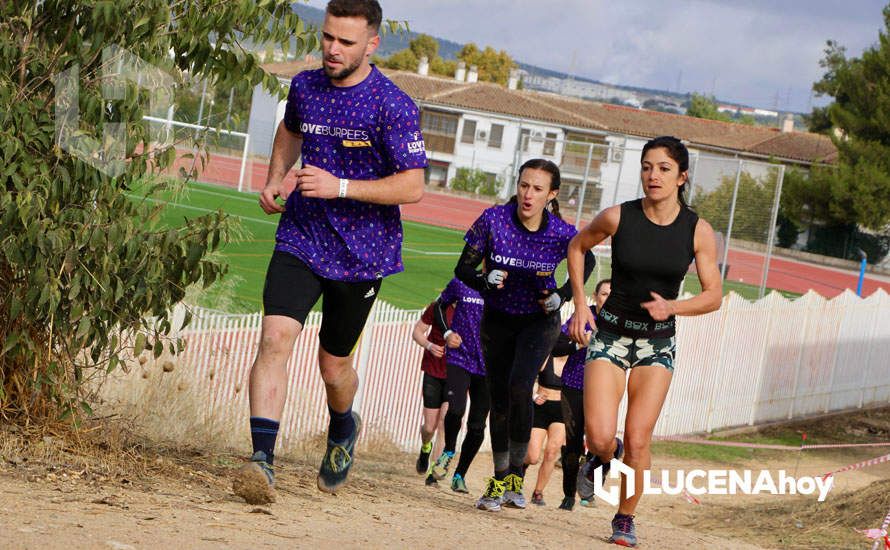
551,454
334,369
476,427
637,445
276,341
600,444
533,457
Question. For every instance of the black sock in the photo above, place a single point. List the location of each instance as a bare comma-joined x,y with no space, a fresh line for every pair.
341,426
263,432
500,475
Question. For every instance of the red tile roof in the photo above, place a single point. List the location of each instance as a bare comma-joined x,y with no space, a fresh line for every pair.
602,117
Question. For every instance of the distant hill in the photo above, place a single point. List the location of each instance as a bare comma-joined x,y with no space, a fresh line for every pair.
392,43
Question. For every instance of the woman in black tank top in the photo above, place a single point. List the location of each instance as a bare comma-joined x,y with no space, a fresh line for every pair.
654,239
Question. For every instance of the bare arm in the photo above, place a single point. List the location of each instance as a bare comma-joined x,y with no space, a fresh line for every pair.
285,152
604,225
709,275
419,337
400,188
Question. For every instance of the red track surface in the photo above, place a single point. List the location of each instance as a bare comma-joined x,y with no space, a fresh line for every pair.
447,210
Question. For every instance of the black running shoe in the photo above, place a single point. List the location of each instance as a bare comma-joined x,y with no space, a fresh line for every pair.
423,460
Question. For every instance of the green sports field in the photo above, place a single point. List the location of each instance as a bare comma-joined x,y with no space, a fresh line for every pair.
429,254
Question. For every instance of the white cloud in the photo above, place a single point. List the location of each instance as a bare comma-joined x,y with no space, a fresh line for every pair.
747,50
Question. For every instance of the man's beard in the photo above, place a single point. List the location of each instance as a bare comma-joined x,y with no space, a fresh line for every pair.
342,73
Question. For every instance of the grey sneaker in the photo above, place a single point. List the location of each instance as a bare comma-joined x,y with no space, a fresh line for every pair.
255,481
513,492
492,497
440,468
338,460
458,485
623,531
585,472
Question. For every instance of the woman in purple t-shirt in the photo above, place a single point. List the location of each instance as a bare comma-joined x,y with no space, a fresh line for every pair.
520,244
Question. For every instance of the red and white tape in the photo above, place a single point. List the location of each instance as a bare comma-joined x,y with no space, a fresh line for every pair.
859,465
767,445
689,498
879,535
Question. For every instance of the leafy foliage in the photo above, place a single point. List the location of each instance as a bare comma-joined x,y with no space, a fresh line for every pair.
475,181
754,204
86,278
857,189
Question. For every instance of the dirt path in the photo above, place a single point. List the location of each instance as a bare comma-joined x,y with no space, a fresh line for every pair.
385,505
114,489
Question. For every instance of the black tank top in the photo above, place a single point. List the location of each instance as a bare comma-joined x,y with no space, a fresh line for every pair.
547,378
646,257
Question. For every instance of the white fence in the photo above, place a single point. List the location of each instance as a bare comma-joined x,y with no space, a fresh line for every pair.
745,364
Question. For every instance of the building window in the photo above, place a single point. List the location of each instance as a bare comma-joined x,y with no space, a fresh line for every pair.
550,144
524,137
469,132
439,131
496,136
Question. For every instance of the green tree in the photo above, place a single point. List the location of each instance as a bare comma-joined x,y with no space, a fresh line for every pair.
442,67
857,189
754,204
424,45
402,60
409,58
87,275
701,106
493,66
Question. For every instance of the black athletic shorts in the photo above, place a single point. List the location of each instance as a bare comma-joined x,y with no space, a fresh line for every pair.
548,413
292,289
435,391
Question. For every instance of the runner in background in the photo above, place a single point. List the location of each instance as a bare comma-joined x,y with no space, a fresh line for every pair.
547,425
428,335
466,375
573,399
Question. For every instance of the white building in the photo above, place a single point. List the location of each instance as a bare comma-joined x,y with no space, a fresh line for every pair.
492,128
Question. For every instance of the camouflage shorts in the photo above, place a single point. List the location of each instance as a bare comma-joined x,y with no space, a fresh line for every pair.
627,352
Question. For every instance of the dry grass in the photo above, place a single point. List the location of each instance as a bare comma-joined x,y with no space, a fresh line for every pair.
802,522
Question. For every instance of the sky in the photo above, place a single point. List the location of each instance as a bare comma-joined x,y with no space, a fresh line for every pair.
763,53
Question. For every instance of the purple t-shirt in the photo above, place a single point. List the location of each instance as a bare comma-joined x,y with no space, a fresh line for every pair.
529,257
573,371
363,132
466,321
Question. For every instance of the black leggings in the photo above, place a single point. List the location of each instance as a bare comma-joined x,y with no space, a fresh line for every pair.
515,347
573,416
460,382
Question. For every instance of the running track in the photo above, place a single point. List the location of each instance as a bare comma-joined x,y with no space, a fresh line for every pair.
447,210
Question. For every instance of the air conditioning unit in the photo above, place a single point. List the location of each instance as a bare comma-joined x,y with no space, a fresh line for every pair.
616,155
481,135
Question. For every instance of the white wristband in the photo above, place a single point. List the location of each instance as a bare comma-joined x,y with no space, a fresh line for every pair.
344,185
447,332
428,346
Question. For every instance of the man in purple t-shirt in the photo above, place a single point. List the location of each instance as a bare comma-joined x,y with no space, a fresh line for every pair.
339,233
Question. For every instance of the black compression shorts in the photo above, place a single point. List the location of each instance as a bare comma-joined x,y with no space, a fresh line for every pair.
292,290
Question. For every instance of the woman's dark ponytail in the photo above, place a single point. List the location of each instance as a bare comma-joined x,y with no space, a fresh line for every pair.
554,208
